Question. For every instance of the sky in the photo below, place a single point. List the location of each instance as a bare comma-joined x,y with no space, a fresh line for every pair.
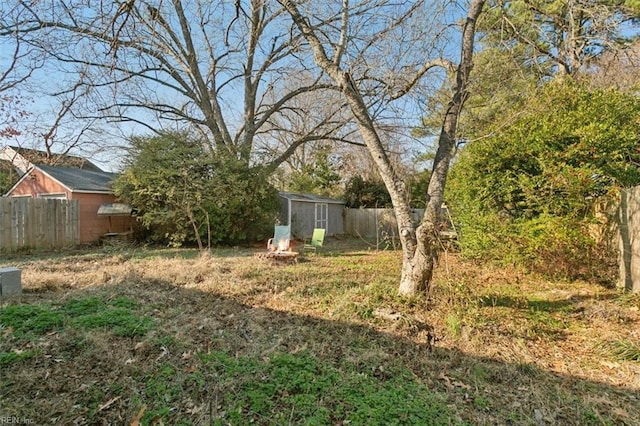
48,80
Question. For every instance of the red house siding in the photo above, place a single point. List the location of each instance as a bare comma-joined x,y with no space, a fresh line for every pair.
38,183
92,226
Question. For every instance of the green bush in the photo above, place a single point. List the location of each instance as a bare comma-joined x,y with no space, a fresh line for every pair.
557,247
183,193
527,194
366,193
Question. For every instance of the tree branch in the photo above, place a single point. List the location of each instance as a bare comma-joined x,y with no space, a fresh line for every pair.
443,63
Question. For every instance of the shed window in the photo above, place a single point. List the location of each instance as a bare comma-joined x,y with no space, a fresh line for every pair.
322,213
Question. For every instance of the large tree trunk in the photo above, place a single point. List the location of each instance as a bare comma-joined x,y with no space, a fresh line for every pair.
417,267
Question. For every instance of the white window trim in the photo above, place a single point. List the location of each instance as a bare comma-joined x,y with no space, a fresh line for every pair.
322,222
53,196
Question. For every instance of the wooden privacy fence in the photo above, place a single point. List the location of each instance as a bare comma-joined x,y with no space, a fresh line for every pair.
628,221
38,223
374,223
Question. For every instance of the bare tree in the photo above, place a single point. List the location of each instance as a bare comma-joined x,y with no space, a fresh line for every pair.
617,68
419,245
218,67
68,128
18,65
49,110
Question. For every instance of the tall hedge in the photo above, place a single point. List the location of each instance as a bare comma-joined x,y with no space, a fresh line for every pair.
526,195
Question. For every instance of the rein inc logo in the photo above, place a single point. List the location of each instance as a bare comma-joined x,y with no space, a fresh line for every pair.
13,420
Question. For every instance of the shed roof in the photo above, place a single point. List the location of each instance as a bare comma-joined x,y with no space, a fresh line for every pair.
309,198
115,209
79,179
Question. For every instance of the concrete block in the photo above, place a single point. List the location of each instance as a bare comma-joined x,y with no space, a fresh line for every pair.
10,281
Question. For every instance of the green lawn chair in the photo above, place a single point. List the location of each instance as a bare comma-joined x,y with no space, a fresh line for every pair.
281,240
317,239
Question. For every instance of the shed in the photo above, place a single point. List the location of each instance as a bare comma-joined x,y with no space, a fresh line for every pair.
304,212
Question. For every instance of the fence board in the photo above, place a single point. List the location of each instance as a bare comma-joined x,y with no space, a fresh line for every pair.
5,223
38,223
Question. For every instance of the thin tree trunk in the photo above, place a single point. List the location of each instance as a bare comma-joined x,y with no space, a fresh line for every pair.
417,244
366,127
196,232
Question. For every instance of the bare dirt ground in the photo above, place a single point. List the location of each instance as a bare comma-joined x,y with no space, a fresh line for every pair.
497,346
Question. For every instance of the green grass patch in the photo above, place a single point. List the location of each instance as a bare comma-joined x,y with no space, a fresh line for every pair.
624,350
299,389
454,324
29,321
166,387
122,321
8,358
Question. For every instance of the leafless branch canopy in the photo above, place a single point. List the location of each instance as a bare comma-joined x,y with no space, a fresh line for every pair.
221,68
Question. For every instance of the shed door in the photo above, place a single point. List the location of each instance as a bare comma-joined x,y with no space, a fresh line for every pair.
322,213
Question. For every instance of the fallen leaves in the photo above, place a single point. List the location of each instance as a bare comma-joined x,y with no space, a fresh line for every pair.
499,371
451,384
164,352
610,365
135,421
108,403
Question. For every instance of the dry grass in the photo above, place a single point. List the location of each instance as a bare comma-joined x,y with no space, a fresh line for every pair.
496,346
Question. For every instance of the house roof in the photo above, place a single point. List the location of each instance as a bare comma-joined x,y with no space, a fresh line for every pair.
309,198
10,158
80,180
37,157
